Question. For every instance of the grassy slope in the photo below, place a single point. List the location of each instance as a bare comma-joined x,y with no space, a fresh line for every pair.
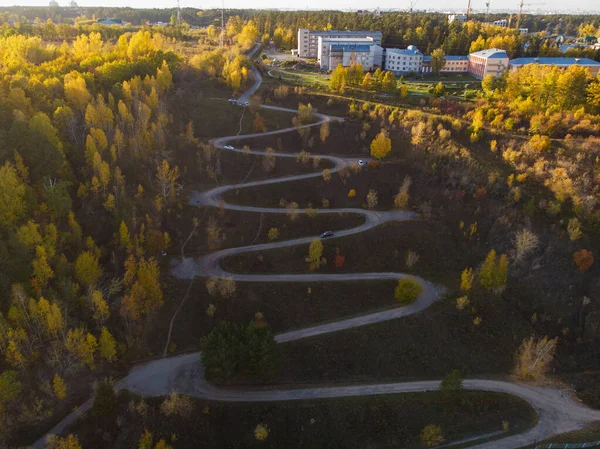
378,422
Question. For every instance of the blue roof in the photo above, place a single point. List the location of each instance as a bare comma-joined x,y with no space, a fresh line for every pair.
349,32
555,61
351,47
491,53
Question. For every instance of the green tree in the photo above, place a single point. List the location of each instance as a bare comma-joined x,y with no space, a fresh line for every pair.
105,400
10,387
59,387
233,352
107,345
438,61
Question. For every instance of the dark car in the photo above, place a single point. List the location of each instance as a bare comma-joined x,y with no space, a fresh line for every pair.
327,234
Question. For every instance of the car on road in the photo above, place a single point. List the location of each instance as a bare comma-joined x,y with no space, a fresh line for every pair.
362,163
244,104
327,234
229,147
232,100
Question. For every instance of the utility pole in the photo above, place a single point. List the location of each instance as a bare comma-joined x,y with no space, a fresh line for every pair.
223,23
178,14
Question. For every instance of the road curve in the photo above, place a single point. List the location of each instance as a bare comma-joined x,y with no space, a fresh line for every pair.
558,413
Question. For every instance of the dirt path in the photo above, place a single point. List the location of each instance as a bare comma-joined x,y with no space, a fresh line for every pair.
558,413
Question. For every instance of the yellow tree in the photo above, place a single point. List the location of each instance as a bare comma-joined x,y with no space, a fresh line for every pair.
82,345
42,272
166,179
493,273
534,358
59,387
144,295
107,345
87,269
315,255
12,194
381,145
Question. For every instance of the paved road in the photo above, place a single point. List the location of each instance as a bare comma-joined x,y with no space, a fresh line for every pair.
558,413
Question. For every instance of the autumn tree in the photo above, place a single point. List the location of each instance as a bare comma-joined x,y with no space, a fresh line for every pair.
389,82
534,358
381,145
372,199
583,259
87,269
273,234
401,199
261,432
12,194
367,82
493,273
338,79
324,131
144,295
525,242
315,257
466,279
258,124
107,345
166,180
268,160
59,387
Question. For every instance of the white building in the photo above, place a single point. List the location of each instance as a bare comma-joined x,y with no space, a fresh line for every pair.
492,61
462,18
563,63
335,51
308,40
400,61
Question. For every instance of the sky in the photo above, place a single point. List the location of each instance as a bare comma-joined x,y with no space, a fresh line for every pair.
580,6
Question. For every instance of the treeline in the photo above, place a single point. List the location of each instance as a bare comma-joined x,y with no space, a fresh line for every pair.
87,182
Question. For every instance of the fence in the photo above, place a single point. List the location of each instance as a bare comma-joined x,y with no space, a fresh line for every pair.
568,445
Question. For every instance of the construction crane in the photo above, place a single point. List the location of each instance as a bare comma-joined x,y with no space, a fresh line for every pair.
487,9
413,3
468,9
521,11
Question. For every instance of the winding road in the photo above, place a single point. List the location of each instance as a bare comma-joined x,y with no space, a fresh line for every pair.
558,412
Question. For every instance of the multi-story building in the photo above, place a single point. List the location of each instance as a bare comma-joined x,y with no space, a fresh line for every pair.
308,40
492,61
593,66
462,18
454,64
336,51
400,61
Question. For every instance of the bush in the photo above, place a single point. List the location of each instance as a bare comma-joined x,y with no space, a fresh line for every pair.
408,290
234,351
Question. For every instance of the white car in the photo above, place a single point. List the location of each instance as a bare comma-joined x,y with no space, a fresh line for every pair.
229,147
362,163
232,100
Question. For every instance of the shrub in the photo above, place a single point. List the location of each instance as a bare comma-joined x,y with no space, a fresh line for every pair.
452,382
351,193
407,290
372,199
583,259
177,405
233,351
462,302
431,435
261,432
273,234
